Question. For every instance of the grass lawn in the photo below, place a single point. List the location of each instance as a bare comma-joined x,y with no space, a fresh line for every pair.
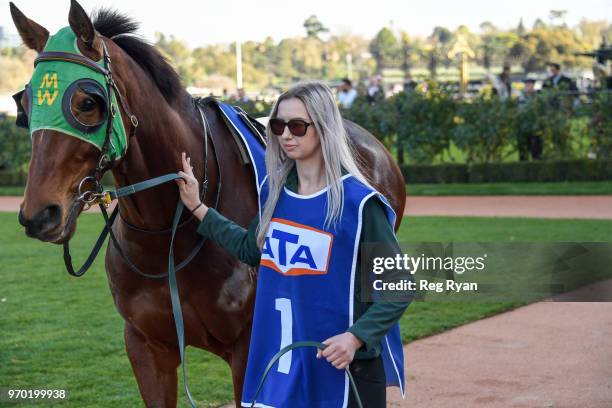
11,190
470,189
62,332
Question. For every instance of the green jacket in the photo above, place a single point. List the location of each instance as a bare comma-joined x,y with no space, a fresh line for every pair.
372,319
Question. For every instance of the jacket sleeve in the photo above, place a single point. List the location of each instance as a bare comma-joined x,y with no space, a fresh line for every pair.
380,316
236,240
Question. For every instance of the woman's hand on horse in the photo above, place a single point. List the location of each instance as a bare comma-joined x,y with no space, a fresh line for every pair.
189,188
340,349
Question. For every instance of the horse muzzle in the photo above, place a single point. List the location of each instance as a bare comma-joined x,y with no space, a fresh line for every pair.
45,225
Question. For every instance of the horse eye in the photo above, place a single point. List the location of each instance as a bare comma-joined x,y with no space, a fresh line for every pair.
87,105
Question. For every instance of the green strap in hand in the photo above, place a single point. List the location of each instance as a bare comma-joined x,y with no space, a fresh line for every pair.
291,347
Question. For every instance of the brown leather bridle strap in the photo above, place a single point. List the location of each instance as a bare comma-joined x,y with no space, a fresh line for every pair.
70,57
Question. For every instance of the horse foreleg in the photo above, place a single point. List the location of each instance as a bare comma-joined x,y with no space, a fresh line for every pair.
155,369
238,364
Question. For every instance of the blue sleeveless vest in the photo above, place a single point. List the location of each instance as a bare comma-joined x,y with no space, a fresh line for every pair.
305,292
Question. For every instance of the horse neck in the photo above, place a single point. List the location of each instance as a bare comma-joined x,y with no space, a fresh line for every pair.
164,131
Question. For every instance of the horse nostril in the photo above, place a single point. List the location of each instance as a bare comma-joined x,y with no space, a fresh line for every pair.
45,221
50,217
22,219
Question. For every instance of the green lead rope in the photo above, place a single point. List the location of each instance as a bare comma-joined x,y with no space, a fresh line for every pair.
176,301
294,346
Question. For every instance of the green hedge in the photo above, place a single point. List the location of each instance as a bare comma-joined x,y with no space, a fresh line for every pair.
13,178
558,170
431,125
19,178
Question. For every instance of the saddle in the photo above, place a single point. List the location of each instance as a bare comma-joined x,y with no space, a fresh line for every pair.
256,128
248,133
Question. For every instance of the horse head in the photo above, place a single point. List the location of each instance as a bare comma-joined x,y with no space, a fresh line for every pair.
72,109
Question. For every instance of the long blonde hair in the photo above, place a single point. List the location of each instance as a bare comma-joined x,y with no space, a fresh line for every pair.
337,152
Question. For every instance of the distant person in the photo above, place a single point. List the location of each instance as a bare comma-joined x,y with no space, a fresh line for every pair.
528,91
375,89
558,80
600,71
242,96
245,102
347,94
503,84
409,83
528,142
395,89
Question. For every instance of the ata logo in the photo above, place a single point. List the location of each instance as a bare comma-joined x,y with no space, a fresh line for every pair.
48,82
295,249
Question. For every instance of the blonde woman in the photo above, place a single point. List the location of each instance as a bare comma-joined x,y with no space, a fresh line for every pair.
315,209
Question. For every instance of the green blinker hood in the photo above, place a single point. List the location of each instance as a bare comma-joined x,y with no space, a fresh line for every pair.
49,85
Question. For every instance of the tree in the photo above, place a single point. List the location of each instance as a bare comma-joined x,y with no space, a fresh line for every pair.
285,58
384,48
558,17
441,38
178,53
540,46
16,65
314,27
539,24
520,29
591,32
407,48
495,44
489,31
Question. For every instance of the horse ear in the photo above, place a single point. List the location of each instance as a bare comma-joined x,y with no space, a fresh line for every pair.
82,26
33,35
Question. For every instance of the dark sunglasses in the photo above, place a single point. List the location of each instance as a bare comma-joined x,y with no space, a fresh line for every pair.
297,127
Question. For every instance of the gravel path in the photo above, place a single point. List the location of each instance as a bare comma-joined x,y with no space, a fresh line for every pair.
512,206
547,354
594,207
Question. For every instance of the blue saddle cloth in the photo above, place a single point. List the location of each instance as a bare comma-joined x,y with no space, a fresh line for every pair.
253,138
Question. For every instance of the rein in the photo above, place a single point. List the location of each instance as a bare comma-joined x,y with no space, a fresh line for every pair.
104,198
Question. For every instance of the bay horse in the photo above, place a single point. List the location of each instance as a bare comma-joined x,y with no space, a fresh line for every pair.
217,291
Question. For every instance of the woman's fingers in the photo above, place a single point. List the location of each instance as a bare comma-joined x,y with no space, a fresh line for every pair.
334,356
180,181
186,161
187,178
342,366
327,351
336,362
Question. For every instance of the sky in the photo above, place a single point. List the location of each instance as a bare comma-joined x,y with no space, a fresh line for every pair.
200,23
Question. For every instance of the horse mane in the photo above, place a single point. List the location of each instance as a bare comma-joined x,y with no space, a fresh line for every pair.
121,29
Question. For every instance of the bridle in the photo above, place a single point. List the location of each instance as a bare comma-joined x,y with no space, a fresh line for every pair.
104,161
87,196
